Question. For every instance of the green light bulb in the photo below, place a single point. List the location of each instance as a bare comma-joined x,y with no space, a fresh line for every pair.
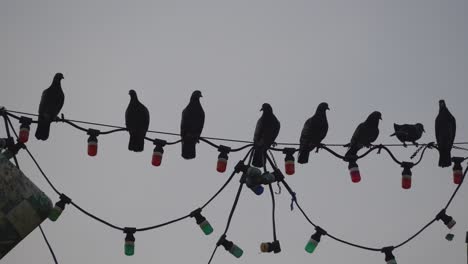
206,227
236,251
311,245
55,213
129,248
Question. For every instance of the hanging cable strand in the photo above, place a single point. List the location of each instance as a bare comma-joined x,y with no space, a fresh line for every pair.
293,194
104,221
273,209
48,245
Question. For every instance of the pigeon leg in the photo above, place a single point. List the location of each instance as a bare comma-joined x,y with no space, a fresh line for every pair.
416,143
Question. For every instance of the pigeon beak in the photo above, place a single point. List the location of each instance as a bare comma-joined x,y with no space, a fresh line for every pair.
328,108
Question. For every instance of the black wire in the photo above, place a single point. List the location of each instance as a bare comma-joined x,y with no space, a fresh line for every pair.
273,204
95,217
416,234
48,245
234,205
212,138
213,253
163,224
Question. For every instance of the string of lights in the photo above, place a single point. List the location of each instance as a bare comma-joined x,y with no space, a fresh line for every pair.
225,150
254,179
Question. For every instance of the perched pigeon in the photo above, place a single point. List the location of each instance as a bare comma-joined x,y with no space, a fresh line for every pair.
191,126
366,133
314,131
445,128
408,133
266,131
137,122
51,103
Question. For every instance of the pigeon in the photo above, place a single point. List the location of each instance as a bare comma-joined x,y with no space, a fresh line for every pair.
51,103
137,122
408,133
314,131
445,128
366,133
191,126
266,131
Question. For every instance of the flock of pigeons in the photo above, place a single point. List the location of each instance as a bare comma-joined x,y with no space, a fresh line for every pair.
315,129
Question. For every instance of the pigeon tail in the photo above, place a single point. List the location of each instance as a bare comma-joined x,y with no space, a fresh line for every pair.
136,142
258,158
303,156
43,129
445,158
188,149
352,151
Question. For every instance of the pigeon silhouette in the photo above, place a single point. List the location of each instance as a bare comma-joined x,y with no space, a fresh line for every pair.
408,133
191,126
266,131
51,103
314,131
137,122
445,129
366,133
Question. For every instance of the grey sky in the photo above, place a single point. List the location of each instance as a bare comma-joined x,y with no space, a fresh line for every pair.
398,57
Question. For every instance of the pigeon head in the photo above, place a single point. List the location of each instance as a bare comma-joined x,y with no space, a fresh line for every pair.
58,76
266,108
420,127
195,95
375,116
132,94
442,104
322,107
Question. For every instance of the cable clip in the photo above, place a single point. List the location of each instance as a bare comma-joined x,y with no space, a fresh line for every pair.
293,200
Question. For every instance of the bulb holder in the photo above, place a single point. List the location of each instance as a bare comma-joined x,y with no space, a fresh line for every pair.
59,207
354,172
230,246
267,247
389,257
201,221
446,219
289,166
314,240
156,159
129,244
457,170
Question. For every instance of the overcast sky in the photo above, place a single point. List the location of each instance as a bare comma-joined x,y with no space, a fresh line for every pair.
398,57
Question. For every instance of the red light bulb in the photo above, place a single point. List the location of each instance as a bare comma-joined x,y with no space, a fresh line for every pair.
354,172
157,158
222,161
23,134
289,167
92,147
